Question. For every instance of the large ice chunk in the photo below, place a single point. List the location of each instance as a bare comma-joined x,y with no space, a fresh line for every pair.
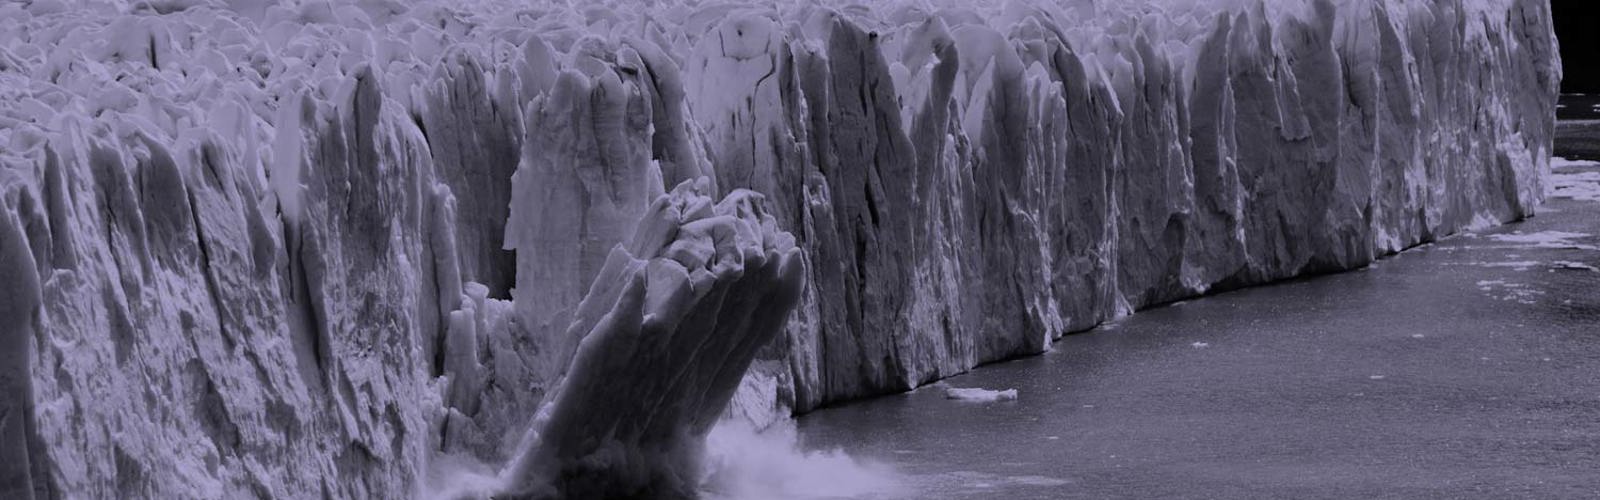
672,322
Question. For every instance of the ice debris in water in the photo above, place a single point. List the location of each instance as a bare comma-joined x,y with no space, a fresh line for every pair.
1573,266
1546,239
1574,179
1559,162
1513,292
978,395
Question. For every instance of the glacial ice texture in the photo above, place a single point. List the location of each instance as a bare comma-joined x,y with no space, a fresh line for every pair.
328,248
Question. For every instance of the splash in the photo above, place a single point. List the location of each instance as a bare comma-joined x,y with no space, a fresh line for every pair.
461,477
741,462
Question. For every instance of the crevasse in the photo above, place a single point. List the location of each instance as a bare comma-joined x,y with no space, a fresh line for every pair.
322,248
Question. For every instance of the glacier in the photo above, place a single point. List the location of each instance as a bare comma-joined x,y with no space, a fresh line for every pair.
340,248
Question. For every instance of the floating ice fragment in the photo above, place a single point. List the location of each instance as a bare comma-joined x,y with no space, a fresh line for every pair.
979,395
1573,266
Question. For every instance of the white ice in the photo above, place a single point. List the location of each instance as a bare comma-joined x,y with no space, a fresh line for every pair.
978,394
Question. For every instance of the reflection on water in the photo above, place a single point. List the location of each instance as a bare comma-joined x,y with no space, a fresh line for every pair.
1467,368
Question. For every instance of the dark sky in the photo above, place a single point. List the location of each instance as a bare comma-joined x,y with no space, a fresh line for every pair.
1578,28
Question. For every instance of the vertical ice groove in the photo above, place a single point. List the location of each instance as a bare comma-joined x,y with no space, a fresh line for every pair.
475,148
19,316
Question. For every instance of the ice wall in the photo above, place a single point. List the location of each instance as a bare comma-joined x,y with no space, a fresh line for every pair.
321,249
972,182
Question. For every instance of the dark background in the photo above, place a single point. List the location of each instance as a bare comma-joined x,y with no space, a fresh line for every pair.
1578,29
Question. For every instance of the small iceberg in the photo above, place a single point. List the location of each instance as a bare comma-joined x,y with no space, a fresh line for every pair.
979,395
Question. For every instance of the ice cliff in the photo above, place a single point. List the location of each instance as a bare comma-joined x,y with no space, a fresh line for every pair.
367,248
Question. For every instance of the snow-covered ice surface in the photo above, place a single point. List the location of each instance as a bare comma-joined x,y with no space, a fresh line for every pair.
331,248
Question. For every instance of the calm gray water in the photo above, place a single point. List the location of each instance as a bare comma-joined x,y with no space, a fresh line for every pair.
1469,368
